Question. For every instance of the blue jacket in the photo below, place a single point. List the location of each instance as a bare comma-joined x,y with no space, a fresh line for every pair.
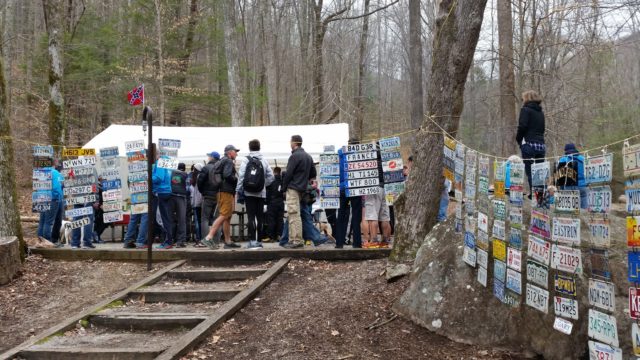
161,180
580,160
56,184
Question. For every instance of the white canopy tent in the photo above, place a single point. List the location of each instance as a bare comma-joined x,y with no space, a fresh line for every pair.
198,141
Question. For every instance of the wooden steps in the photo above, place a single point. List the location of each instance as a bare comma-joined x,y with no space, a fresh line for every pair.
215,274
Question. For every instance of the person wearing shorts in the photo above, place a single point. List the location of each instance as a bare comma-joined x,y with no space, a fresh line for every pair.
376,211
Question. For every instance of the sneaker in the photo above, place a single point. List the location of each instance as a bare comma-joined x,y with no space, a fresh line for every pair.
267,240
75,247
293,245
98,241
231,245
181,245
383,245
129,245
165,246
88,246
199,244
142,246
58,245
322,240
253,244
307,242
210,244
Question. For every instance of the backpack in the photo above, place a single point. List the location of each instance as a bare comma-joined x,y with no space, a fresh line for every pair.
253,176
309,196
567,173
215,175
178,182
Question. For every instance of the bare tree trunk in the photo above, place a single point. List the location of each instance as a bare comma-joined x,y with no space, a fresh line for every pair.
456,35
236,100
508,96
183,61
9,214
415,63
53,22
271,57
358,129
160,76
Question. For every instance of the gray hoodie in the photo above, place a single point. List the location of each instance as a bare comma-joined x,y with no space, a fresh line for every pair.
268,175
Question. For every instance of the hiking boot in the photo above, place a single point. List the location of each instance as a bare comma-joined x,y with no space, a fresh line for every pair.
291,245
253,244
231,245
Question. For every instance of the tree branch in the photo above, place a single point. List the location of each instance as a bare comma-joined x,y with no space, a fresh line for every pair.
328,20
333,16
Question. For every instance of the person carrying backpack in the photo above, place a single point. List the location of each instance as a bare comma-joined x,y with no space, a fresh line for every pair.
178,204
570,173
275,206
205,185
254,176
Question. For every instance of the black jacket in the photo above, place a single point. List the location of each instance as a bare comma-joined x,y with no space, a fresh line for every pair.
275,192
298,169
531,124
229,176
179,183
204,185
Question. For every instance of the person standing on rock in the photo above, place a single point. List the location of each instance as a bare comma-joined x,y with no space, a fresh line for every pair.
530,135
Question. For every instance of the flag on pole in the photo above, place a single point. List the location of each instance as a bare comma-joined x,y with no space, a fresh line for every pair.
136,96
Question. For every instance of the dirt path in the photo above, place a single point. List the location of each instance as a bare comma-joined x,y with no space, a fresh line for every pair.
319,310
48,291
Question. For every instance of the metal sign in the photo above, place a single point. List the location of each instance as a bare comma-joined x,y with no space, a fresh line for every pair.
631,160
482,240
329,158
469,256
392,191
498,290
515,217
169,143
634,303
564,307
41,185
562,325
482,276
482,258
108,163
41,196
42,174
603,327
567,201
360,174
389,155
42,162
633,231
565,284
329,169
499,209
73,173
600,263
537,273
135,145
516,195
71,152
540,173
599,199
111,184
332,192
138,177
167,163
362,156
469,239
111,217
330,181
363,183
602,295
567,259
516,173
139,198
108,152
459,166
499,188
511,299
114,194
566,231
80,200
389,143
515,238
139,209
42,151
633,260
539,250
598,169
635,338
483,221
499,250
633,200
329,203
113,205
80,190
362,191
168,152
110,174
599,230
77,212
74,163
499,270
77,223
537,298
514,259
540,224
362,165
514,281
498,230
499,171
371,146
470,224
40,207
80,181
599,351
393,176
140,155
483,185
484,166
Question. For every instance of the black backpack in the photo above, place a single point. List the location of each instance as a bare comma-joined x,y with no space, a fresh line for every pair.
253,175
215,175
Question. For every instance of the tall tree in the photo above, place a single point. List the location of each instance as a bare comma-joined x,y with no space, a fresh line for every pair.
231,41
160,75
53,24
184,61
9,214
507,78
362,58
457,30
415,63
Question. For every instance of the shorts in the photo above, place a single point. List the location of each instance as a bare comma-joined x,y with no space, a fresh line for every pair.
225,204
375,207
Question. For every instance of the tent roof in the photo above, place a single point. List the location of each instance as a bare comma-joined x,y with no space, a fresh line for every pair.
198,141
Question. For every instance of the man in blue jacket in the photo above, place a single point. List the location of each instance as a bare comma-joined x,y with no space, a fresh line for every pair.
162,190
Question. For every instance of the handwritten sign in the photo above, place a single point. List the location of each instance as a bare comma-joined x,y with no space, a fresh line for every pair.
566,230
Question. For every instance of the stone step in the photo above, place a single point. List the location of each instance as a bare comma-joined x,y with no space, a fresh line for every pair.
90,353
184,295
147,321
215,274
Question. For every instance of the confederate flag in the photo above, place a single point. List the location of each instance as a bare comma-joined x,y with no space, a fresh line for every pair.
136,96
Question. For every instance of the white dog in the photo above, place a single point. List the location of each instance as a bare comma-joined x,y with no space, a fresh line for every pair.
66,232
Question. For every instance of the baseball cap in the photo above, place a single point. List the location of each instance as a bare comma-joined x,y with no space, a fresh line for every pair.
214,154
198,166
231,147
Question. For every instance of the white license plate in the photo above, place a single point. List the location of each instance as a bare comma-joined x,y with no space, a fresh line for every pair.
362,156
514,259
110,174
469,256
482,258
537,298
138,187
82,199
563,325
392,165
599,199
169,143
79,190
389,143
139,209
498,229
482,276
599,351
330,169
539,250
167,163
328,159
602,295
85,161
111,217
537,273
137,166
135,145
603,328
363,182
113,205
71,213
567,308
362,165
77,224
567,201
566,259
42,185
514,281
598,169
329,203
566,230
599,230
371,146
114,194
363,191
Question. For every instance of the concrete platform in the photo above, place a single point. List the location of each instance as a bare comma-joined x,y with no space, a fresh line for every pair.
271,251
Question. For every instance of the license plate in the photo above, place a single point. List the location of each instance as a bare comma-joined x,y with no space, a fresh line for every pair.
514,281
329,181
470,191
499,250
85,161
389,143
139,209
42,175
167,163
633,231
599,230
469,256
470,224
602,295
511,299
537,273
482,276
40,207
483,185
329,192
393,176
360,174
41,185
77,223
135,145
371,146
566,230
470,176
137,177
109,152
540,173
74,173
540,224
599,351
139,198
169,143
599,199
392,165
329,158
362,165
41,196
80,181
539,250
483,222
499,171
111,217
77,212
514,259
633,200
482,258
362,156
634,303
515,217
499,270
598,169
635,338
114,194
498,229
563,325
516,176
516,195
567,259
79,200
515,238
42,150
42,162
169,152
567,201
71,152
329,203
362,191
499,209
110,174
79,190
329,169
482,240
567,308
459,166
469,239
498,290
633,262
113,205
362,183
603,327
138,187
389,155
600,263
631,160
537,298
140,155
565,284
499,188
484,166
109,163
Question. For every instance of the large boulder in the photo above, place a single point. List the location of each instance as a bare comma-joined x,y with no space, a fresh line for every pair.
9,258
445,297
